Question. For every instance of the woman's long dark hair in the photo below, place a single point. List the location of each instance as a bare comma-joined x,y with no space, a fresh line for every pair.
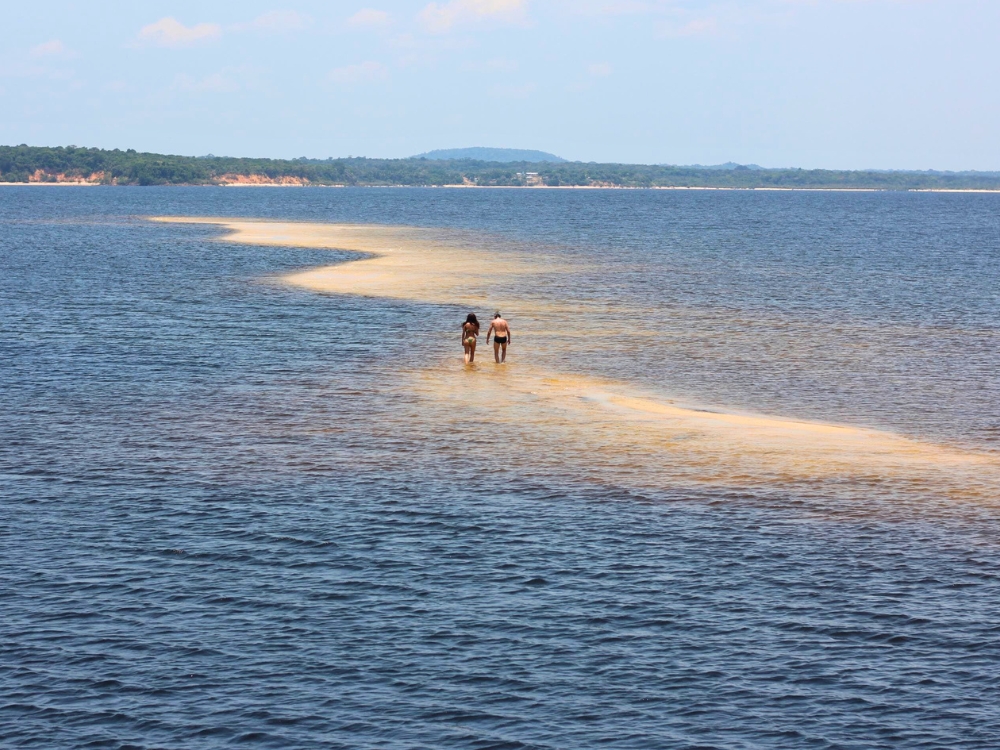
471,318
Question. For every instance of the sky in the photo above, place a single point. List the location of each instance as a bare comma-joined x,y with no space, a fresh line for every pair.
839,84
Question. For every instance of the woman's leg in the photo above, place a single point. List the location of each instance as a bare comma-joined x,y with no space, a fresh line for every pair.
467,350
472,352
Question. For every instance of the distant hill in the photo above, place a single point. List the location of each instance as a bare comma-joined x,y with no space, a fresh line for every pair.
479,153
727,165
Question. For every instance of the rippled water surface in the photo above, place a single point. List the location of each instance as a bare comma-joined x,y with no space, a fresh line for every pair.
234,510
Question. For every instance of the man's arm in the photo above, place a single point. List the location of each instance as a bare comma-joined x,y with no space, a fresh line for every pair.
488,333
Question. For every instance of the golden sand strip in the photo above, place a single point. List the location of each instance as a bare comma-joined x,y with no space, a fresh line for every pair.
400,263
605,419
613,431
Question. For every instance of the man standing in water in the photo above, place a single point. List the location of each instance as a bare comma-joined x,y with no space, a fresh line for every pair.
501,337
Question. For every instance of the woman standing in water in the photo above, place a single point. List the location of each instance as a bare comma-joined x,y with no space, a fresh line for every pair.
470,330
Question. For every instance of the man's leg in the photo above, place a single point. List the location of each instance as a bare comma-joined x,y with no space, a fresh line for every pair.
503,357
496,351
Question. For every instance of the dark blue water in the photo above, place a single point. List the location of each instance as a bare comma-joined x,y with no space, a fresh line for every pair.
223,521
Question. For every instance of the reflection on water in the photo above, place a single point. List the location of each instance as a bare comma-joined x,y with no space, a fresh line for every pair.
735,488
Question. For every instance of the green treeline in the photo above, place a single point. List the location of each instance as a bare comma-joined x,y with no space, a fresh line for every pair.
30,163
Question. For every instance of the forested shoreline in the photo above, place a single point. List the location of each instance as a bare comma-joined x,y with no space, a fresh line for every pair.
23,164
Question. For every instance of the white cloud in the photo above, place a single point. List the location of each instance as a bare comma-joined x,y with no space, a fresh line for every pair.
366,72
50,48
215,83
23,69
610,7
440,18
640,7
227,80
494,65
275,21
169,32
696,27
514,92
598,8
594,70
368,17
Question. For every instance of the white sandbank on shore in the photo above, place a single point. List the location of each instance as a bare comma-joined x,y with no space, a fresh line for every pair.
609,419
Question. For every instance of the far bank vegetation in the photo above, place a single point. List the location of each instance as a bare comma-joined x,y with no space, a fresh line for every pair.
23,164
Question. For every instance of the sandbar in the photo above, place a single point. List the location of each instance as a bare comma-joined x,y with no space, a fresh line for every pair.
664,441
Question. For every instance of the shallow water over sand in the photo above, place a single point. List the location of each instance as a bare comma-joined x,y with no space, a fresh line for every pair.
736,487
663,444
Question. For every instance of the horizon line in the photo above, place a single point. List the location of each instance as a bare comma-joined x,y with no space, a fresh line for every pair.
416,157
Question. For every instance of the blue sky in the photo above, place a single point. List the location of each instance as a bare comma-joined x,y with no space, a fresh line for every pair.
898,84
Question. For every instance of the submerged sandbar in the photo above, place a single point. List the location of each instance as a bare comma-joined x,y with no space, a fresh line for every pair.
662,441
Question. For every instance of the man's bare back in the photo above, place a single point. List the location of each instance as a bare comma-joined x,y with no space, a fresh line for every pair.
500,330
